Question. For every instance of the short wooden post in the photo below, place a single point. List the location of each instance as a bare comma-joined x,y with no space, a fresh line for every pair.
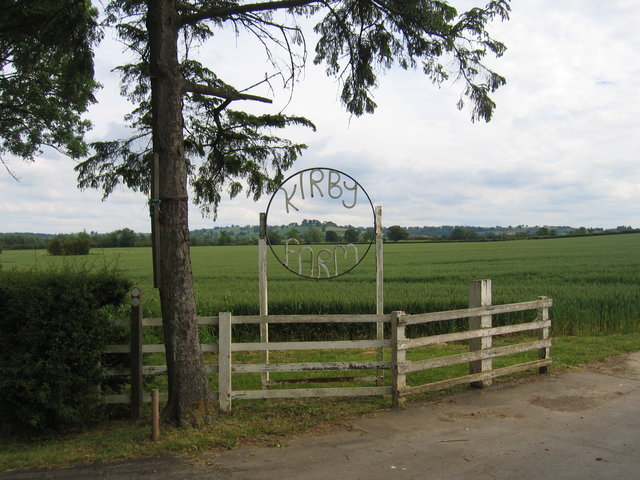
136,353
264,299
224,361
155,415
480,296
543,353
379,291
398,357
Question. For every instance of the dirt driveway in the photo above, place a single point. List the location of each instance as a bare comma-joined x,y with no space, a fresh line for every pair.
582,424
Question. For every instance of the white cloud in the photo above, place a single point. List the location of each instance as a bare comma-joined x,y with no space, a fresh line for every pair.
561,149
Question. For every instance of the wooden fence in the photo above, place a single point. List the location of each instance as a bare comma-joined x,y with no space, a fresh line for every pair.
480,354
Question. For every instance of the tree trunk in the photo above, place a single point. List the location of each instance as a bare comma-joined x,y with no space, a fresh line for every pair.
190,399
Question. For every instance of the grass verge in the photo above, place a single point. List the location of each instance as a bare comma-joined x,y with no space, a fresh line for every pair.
263,422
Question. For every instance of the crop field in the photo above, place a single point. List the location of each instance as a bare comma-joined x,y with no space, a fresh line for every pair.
594,281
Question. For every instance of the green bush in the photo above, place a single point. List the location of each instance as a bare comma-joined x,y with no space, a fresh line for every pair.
54,246
79,244
53,328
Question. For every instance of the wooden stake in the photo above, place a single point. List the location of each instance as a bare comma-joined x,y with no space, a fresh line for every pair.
155,415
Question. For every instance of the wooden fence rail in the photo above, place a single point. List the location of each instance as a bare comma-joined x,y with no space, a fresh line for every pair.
479,336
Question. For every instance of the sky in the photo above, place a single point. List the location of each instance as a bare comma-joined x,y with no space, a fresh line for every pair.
562,148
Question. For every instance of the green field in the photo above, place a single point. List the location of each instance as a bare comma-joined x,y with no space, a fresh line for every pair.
594,281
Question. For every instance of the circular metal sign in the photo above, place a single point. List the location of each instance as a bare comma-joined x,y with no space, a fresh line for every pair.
320,223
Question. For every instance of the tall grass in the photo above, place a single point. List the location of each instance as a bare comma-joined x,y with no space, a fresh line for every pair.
594,281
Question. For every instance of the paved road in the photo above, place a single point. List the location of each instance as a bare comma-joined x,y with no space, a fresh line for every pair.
577,425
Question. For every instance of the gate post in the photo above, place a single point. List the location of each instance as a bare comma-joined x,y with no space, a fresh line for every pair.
398,357
264,302
224,361
379,291
480,296
135,352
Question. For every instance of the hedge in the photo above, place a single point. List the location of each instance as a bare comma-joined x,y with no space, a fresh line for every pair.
53,328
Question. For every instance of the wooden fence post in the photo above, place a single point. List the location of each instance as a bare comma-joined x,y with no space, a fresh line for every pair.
136,353
398,356
264,298
480,296
224,361
379,291
543,353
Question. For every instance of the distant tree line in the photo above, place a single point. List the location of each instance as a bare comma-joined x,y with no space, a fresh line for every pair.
480,234
23,241
308,232
122,238
315,232
56,243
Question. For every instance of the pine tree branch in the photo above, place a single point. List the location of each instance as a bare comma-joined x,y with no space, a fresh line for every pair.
188,86
223,12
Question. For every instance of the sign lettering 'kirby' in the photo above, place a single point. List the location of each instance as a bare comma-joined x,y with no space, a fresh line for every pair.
320,223
313,183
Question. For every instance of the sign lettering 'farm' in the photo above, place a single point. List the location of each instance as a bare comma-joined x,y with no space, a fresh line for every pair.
326,200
